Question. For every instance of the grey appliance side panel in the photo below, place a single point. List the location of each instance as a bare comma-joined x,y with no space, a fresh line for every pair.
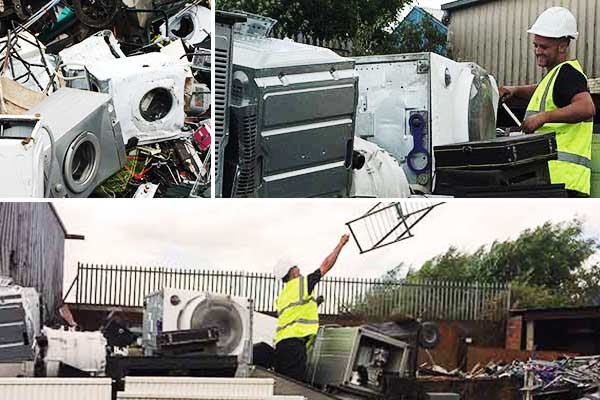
301,123
14,344
308,104
152,321
242,160
307,126
222,90
311,144
330,182
332,356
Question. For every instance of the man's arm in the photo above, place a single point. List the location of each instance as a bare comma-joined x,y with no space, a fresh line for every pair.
519,92
332,258
581,109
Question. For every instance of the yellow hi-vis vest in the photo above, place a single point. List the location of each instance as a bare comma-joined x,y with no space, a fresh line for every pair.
297,314
574,141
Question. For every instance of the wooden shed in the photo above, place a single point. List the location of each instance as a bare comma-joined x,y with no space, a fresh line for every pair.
493,34
32,247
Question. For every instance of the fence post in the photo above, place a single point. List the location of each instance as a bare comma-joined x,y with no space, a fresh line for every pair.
508,298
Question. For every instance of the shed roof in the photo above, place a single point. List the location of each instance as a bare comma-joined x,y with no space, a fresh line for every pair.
461,4
529,314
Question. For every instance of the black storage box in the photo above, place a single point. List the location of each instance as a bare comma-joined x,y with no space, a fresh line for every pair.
497,153
454,182
517,191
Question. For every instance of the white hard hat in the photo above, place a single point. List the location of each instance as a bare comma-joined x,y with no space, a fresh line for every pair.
555,22
282,267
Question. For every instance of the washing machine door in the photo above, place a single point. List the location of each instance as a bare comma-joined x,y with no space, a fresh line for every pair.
81,163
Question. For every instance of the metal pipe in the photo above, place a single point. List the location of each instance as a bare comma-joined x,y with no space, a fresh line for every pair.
511,114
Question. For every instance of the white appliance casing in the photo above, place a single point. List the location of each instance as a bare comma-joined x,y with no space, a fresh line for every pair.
127,80
393,87
381,176
21,162
201,19
85,351
99,47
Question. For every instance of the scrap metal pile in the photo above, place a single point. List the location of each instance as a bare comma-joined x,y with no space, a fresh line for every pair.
569,376
105,99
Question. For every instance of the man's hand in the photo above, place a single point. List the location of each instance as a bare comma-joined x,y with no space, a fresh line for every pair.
506,92
534,122
513,93
344,239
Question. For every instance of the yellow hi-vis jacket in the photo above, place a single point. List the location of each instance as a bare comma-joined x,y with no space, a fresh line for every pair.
297,314
574,141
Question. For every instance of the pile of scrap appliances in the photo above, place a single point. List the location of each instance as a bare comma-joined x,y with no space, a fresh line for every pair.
201,345
105,98
295,120
196,345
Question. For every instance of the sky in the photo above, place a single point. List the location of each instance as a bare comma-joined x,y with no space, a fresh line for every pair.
252,235
424,3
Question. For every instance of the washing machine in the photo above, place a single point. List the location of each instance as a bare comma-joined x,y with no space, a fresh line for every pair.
192,24
22,143
147,92
175,310
410,103
88,145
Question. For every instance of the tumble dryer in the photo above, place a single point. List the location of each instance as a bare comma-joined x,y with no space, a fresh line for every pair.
87,143
147,92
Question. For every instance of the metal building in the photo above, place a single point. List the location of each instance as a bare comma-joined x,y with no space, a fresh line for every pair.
32,247
493,34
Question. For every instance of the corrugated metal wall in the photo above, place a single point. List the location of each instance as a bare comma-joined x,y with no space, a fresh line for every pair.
32,243
494,35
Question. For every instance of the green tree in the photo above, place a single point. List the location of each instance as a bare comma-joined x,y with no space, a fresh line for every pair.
411,37
452,266
362,21
544,265
548,255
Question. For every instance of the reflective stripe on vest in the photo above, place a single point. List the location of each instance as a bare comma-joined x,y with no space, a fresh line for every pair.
298,321
296,310
300,296
574,141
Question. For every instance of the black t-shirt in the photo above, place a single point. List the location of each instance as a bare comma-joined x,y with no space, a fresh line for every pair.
569,83
313,279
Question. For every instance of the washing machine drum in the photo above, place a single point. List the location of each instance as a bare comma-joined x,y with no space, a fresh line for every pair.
225,316
81,163
156,104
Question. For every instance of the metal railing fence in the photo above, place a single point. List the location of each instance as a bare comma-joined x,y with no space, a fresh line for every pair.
126,286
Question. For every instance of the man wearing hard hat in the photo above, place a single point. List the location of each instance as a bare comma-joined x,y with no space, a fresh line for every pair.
561,103
297,315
